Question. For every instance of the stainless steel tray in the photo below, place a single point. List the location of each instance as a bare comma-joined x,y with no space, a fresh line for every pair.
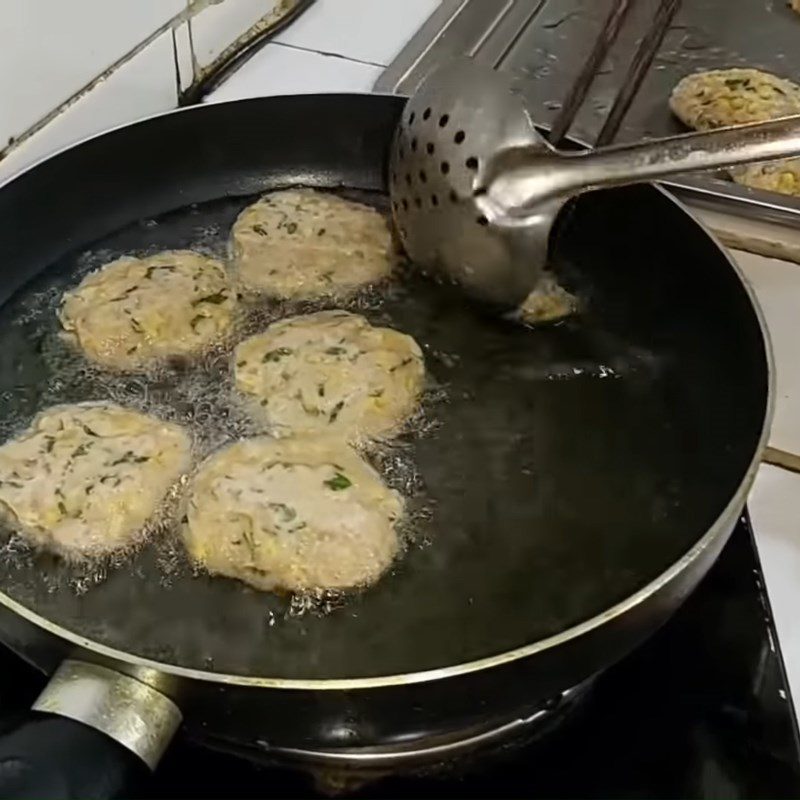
546,41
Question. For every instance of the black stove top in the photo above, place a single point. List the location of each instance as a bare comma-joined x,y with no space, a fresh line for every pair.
701,710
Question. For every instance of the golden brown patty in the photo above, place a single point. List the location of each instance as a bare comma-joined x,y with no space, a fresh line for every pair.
83,480
725,97
774,176
135,312
301,243
293,514
548,302
330,372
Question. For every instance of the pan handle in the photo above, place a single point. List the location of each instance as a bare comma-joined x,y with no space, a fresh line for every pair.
56,758
90,734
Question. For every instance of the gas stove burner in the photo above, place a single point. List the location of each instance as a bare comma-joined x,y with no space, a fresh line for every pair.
345,770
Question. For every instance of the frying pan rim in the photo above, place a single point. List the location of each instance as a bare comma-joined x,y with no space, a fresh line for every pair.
716,529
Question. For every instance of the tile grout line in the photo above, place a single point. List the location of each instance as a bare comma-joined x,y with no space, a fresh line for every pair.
192,52
177,66
330,54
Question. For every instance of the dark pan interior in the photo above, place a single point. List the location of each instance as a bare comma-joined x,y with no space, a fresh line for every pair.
569,466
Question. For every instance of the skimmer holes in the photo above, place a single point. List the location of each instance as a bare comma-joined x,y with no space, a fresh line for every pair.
459,137
443,120
445,167
472,163
430,148
427,114
423,176
434,200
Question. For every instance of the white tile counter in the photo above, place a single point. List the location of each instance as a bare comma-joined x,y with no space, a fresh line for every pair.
335,46
71,70
777,287
41,67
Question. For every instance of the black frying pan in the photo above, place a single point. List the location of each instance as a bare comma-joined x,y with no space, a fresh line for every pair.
579,479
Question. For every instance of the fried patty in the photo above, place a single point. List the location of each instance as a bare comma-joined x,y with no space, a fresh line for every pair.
548,302
719,98
293,514
774,176
330,372
304,244
135,312
84,480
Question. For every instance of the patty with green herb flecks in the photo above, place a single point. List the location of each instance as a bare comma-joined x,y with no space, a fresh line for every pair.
774,176
304,244
135,312
84,480
292,514
723,97
330,372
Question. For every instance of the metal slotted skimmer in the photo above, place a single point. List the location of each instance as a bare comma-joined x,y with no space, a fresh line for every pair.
460,117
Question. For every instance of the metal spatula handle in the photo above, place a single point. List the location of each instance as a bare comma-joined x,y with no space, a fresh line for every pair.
517,181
